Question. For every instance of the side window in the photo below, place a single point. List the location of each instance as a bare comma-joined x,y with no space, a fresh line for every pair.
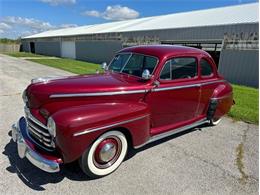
180,68
205,68
137,63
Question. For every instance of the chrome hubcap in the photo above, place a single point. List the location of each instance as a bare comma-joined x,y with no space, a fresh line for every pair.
107,152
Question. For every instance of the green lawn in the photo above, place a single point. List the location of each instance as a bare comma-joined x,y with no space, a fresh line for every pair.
23,54
246,107
74,66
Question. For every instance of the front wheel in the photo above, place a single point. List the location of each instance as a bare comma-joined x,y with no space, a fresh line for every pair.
105,155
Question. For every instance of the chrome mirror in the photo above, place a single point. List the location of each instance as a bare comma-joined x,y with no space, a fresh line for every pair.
104,65
146,74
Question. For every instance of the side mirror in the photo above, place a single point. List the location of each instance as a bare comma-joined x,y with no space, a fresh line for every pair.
146,74
104,66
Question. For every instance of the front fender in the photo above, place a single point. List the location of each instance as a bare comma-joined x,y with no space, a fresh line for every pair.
75,125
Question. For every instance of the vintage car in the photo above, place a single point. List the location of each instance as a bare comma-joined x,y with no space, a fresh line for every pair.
146,93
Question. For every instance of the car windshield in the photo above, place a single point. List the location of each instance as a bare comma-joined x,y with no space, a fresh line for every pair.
133,64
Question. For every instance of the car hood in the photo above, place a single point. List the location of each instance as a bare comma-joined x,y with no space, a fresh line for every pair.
39,93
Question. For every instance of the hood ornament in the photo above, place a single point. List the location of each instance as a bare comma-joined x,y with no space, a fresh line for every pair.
46,79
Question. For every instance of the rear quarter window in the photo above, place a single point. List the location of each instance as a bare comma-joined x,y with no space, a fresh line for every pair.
206,68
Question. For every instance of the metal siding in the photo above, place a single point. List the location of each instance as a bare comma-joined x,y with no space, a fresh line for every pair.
195,33
240,66
97,51
50,48
26,46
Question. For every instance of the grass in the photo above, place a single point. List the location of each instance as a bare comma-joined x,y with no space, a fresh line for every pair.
23,54
247,105
74,66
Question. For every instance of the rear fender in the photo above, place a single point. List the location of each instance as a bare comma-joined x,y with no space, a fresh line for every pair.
78,127
221,101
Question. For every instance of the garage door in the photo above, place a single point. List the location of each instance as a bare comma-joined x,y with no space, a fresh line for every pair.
68,49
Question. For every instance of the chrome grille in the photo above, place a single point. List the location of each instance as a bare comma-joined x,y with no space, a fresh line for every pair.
39,133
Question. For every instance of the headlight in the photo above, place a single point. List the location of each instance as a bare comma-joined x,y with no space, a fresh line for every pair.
51,127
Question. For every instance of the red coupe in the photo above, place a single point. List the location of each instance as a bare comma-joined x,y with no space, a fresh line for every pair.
146,93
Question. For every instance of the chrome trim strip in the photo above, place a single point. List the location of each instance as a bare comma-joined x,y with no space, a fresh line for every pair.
176,87
97,94
108,126
172,132
187,86
212,82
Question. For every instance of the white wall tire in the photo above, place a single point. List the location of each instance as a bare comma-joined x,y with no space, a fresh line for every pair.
215,122
92,166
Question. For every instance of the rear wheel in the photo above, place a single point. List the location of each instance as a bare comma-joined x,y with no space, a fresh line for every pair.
215,122
105,155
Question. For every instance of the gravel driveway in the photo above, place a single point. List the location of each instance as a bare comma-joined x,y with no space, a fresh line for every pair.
205,160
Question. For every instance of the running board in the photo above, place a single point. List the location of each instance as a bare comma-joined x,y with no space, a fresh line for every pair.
172,132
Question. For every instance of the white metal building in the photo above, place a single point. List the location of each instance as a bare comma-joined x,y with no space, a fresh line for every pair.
229,34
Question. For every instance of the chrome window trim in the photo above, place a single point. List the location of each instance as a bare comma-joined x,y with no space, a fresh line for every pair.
64,95
172,132
108,126
186,86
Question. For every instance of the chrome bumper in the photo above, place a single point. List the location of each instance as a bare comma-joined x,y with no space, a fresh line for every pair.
25,151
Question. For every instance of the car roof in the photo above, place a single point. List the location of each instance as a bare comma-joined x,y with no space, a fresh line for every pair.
162,51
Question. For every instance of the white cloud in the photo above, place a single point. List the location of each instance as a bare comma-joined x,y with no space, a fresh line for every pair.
114,12
92,13
27,22
59,2
4,27
67,25
19,26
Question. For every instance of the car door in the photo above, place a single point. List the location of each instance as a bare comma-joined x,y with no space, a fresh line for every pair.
208,80
174,102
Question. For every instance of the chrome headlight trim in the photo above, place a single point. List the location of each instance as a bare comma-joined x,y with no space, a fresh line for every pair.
51,125
24,96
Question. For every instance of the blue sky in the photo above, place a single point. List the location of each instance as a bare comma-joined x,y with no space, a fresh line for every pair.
25,17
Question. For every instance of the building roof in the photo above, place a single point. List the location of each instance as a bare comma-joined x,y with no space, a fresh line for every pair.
239,14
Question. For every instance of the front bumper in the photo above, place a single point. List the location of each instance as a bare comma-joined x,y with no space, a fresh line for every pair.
19,132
